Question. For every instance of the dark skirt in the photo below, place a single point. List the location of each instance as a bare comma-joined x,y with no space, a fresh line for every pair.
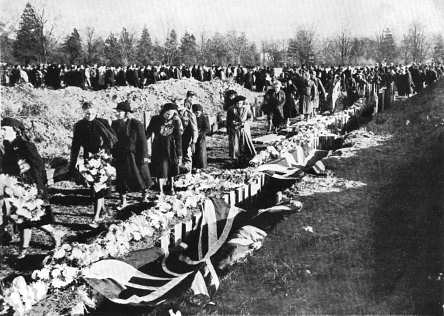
278,116
200,154
132,177
164,158
290,108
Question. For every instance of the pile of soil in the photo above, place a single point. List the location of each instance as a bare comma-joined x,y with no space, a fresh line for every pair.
50,115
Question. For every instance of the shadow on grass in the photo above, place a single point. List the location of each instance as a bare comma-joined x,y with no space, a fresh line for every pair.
374,250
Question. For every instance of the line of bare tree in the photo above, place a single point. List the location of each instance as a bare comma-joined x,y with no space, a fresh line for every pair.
34,42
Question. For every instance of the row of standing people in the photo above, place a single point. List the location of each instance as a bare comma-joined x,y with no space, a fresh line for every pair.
101,77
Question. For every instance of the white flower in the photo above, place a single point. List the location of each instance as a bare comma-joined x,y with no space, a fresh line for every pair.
42,274
308,229
76,254
94,163
88,178
39,290
59,254
69,272
15,301
136,236
55,273
58,283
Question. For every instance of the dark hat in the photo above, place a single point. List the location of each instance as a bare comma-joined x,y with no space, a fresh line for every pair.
190,93
14,123
169,106
124,106
239,98
230,92
86,105
197,107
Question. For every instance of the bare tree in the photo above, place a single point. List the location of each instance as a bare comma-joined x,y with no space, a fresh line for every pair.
301,48
127,47
343,43
415,43
47,40
438,48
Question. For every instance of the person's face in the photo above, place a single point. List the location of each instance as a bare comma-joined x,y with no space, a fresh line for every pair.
8,133
239,103
191,99
120,115
198,113
168,115
277,88
89,114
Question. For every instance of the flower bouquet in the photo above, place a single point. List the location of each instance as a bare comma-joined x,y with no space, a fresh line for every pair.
21,296
20,200
97,170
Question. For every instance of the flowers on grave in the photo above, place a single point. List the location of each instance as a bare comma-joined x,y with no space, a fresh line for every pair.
215,181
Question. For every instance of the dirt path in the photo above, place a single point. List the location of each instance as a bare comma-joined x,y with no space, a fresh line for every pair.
377,241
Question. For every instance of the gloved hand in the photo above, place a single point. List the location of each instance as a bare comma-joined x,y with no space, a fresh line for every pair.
24,166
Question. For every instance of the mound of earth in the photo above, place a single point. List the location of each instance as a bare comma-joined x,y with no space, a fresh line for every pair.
50,115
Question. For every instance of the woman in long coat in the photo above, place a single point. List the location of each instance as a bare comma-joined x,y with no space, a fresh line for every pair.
93,134
229,105
167,145
203,125
290,107
244,149
21,159
130,154
308,93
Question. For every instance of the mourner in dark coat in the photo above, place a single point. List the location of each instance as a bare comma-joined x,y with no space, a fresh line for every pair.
92,134
291,95
166,131
275,100
203,126
21,159
130,153
229,105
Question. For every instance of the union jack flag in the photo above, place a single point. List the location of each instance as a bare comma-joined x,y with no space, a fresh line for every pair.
164,278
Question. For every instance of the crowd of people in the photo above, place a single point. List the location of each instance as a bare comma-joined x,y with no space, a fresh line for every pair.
178,133
310,90
97,77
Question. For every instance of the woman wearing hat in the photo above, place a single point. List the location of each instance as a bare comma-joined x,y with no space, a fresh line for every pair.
203,125
130,154
21,159
243,148
93,134
167,145
229,105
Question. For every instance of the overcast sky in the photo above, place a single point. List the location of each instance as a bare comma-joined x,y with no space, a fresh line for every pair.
259,19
